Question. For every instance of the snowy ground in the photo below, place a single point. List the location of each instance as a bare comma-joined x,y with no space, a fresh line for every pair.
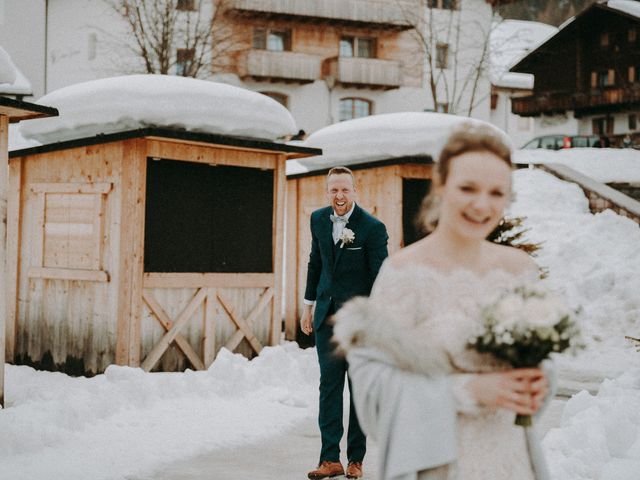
128,424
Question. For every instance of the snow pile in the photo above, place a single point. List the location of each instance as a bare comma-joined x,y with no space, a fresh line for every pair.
7,68
17,141
118,104
127,422
632,7
594,260
379,137
599,436
512,40
602,164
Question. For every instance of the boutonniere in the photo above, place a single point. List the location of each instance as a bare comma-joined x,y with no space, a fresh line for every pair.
347,237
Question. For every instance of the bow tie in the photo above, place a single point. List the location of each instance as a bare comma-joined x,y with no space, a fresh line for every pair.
338,218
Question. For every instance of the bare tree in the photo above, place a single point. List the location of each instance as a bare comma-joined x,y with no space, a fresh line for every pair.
188,38
454,45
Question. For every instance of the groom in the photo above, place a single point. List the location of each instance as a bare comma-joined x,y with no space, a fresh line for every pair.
347,248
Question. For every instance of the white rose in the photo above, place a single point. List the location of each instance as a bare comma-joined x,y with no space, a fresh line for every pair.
508,310
540,312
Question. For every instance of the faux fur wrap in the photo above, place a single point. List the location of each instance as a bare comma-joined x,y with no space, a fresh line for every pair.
364,323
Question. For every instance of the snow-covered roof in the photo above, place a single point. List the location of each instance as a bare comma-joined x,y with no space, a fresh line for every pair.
117,104
631,7
382,137
7,68
512,40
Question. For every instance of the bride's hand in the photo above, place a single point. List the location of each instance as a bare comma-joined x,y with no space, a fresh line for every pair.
521,390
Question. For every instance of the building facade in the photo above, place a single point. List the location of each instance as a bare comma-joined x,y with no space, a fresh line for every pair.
326,60
587,76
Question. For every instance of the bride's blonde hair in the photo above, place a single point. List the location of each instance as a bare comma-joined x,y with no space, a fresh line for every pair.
467,137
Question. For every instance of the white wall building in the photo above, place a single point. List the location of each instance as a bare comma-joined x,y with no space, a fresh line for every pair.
61,42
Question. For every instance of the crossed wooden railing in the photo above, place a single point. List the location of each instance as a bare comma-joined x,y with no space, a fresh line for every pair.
210,297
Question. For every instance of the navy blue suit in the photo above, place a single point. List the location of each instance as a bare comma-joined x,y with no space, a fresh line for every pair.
335,274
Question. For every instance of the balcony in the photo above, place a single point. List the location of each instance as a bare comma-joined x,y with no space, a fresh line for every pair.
364,13
582,103
364,72
279,66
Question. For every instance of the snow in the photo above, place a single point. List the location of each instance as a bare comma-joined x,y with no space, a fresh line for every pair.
123,103
605,165
512,40
632,7
594,260
17,141
599,435
380,137
7,68
127,422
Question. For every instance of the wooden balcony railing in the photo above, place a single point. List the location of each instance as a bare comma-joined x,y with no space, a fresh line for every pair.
580,103
286,66
365,72
381,13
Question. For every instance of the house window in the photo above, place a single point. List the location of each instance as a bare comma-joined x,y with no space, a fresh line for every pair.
442,55
357,47
186,5
633,74
632,34
603,78
444,4
633,121
273,40
602,125
604,39
351,108
281,98
442,107
184,59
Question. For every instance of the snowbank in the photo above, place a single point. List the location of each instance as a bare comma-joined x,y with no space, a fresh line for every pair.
594,260
599,436
602,164
389,135
127,422
116,104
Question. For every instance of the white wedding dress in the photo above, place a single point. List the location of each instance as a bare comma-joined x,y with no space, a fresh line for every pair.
443,308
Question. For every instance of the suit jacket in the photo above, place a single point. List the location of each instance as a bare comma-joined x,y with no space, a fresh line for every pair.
336,274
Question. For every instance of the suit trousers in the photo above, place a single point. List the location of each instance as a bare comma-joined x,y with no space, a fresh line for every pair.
333,369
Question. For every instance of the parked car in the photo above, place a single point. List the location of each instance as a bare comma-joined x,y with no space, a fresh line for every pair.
557,142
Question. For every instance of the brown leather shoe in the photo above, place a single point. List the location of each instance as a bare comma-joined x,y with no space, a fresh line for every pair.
354,470
326,469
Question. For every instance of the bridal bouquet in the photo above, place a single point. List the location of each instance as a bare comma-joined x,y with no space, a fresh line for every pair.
523,327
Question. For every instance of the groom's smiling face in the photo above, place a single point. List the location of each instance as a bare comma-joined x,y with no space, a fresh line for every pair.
341,192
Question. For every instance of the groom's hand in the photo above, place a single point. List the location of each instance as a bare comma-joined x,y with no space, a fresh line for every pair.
306,322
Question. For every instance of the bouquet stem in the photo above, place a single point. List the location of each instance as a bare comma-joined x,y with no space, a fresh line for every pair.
524,420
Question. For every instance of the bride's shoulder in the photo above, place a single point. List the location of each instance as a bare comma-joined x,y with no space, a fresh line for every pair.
513,260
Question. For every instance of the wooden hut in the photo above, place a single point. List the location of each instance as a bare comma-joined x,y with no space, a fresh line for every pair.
11,111
390,189
153,247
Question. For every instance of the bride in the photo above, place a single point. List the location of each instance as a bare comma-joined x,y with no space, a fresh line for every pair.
437,409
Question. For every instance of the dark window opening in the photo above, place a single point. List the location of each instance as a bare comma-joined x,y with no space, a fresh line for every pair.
184,61
281,98
187,5
442,55
203,218
413,191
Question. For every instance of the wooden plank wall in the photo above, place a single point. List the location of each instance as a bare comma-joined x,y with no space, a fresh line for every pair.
67,316
379,192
